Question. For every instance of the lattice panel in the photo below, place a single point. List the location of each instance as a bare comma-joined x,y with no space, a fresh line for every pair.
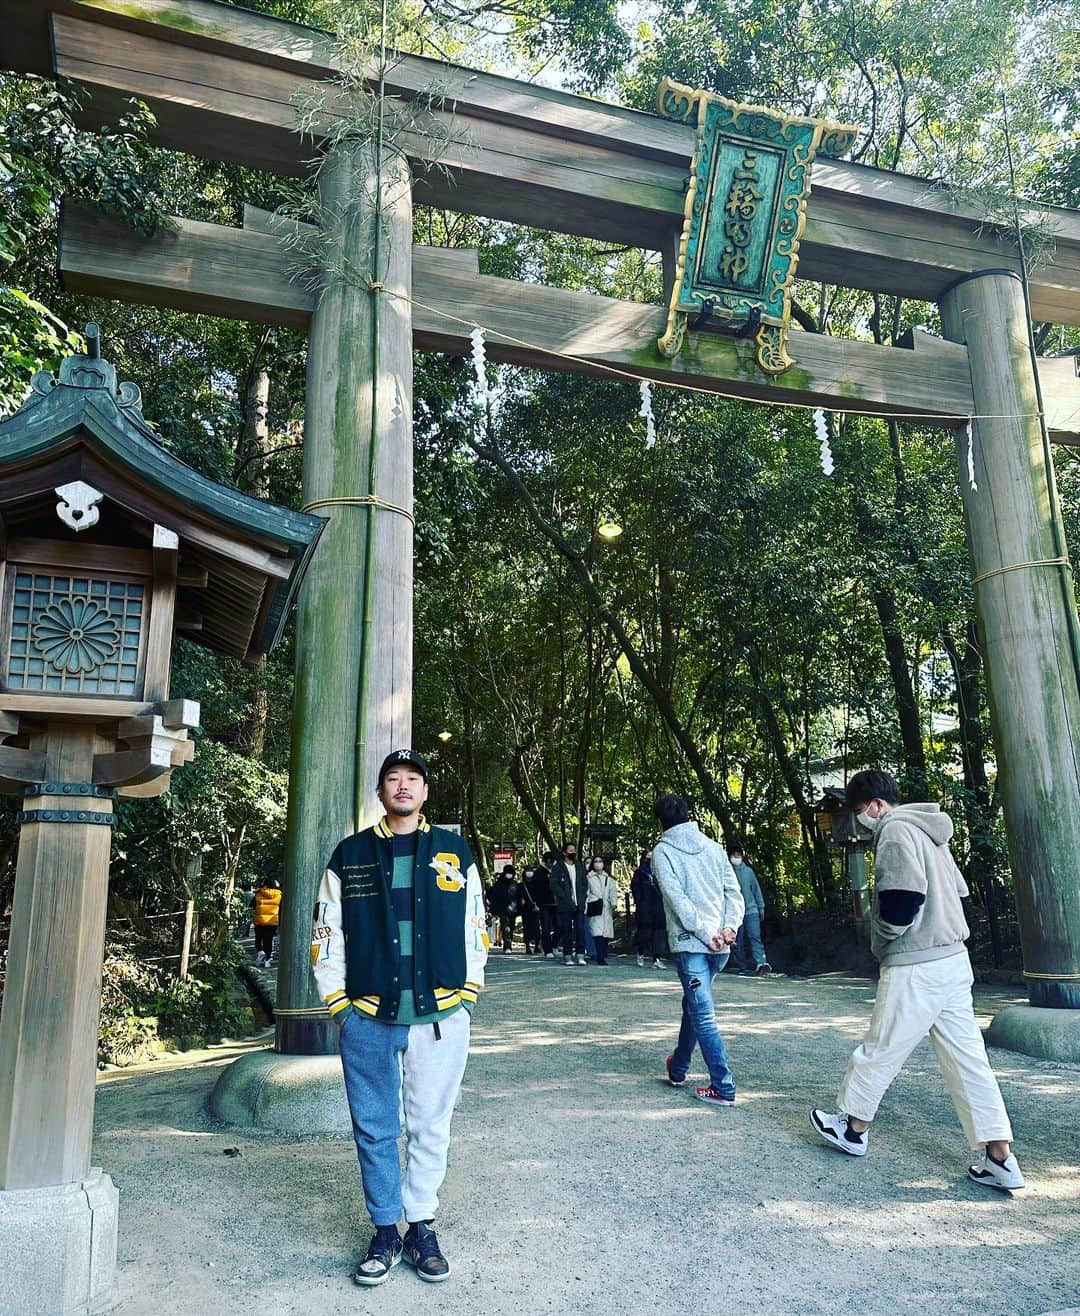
75,634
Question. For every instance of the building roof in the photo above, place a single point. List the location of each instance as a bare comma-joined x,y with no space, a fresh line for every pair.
242,559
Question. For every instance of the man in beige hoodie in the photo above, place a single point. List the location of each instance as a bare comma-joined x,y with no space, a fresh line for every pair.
918,935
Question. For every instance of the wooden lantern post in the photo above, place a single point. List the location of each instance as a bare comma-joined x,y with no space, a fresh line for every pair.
100,530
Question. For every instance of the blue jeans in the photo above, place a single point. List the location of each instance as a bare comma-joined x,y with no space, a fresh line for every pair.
696,973
371,1055
393,1070
749,934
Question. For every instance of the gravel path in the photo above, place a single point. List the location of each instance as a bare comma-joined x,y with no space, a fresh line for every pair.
581,1183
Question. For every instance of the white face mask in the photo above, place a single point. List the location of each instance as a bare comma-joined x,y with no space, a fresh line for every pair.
737,861
867,821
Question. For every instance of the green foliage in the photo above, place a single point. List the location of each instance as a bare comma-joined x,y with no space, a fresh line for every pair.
44,157
778,615
144,1008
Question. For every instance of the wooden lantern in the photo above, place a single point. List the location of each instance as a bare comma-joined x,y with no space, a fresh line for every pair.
108,546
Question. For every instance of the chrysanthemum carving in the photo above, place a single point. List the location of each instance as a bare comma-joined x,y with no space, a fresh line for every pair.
76,635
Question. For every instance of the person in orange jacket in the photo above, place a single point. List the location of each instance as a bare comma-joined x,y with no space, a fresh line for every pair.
267,915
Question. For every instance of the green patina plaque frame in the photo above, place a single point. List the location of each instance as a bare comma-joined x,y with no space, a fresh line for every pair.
745,213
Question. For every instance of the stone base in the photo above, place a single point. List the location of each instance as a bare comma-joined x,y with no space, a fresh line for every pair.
58,1248
288,1094
1047,1034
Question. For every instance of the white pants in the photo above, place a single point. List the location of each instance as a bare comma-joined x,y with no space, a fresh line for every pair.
433,1070
913,1000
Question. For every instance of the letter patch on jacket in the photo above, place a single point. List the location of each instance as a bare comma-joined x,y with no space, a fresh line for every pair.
448,875
321,934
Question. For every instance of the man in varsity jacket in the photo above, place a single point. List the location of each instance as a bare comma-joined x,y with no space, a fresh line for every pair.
398,954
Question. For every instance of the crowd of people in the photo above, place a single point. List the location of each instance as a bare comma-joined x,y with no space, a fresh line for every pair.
566,910
401,938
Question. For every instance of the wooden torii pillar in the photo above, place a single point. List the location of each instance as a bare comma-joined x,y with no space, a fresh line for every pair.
353,694
222,82
1026,604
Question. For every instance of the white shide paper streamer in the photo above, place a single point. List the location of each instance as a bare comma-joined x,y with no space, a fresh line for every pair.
479,360
821,429
971,459
646,412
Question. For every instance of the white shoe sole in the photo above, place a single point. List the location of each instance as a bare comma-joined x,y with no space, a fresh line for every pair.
987,1180
366,1283
428,1279
834,1141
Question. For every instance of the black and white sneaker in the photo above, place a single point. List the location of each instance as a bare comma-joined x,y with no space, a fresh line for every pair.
421,1251
383,1254
1004,1175
764,967
838,1133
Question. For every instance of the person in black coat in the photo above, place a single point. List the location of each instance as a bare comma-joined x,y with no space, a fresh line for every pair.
505,902
545,898
569,882
535,889
650,923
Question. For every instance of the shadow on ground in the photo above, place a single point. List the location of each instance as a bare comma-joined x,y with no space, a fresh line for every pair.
580,1182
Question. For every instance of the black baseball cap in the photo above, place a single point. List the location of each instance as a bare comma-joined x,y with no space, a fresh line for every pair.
400,757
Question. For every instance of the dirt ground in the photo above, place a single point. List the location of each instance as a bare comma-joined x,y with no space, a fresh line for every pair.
581,1183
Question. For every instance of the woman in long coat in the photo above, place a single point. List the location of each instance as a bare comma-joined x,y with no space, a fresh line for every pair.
600,901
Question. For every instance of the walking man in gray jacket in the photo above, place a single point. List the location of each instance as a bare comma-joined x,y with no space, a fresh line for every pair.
918,935
704,908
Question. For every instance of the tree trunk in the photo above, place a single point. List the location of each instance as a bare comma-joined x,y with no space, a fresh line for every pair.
817,854
979,809
907,709
253,478
528,800
185,939
472,829
712,795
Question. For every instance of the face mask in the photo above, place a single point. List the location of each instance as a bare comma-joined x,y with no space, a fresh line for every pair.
737,862
865,820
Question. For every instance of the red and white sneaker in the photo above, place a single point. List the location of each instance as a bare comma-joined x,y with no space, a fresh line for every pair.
713,1098
675,1082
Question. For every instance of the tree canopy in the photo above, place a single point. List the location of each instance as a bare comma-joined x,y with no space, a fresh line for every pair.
758,627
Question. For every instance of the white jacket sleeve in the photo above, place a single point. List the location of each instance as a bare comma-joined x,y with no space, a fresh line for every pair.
476,939
680,904
328,942
734,904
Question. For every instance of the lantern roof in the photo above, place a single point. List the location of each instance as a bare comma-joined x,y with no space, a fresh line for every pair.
242,559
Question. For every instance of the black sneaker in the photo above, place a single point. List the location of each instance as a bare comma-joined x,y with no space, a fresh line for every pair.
383,1254
421,1251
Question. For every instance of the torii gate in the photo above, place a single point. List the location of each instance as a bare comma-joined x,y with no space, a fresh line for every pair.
222,83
